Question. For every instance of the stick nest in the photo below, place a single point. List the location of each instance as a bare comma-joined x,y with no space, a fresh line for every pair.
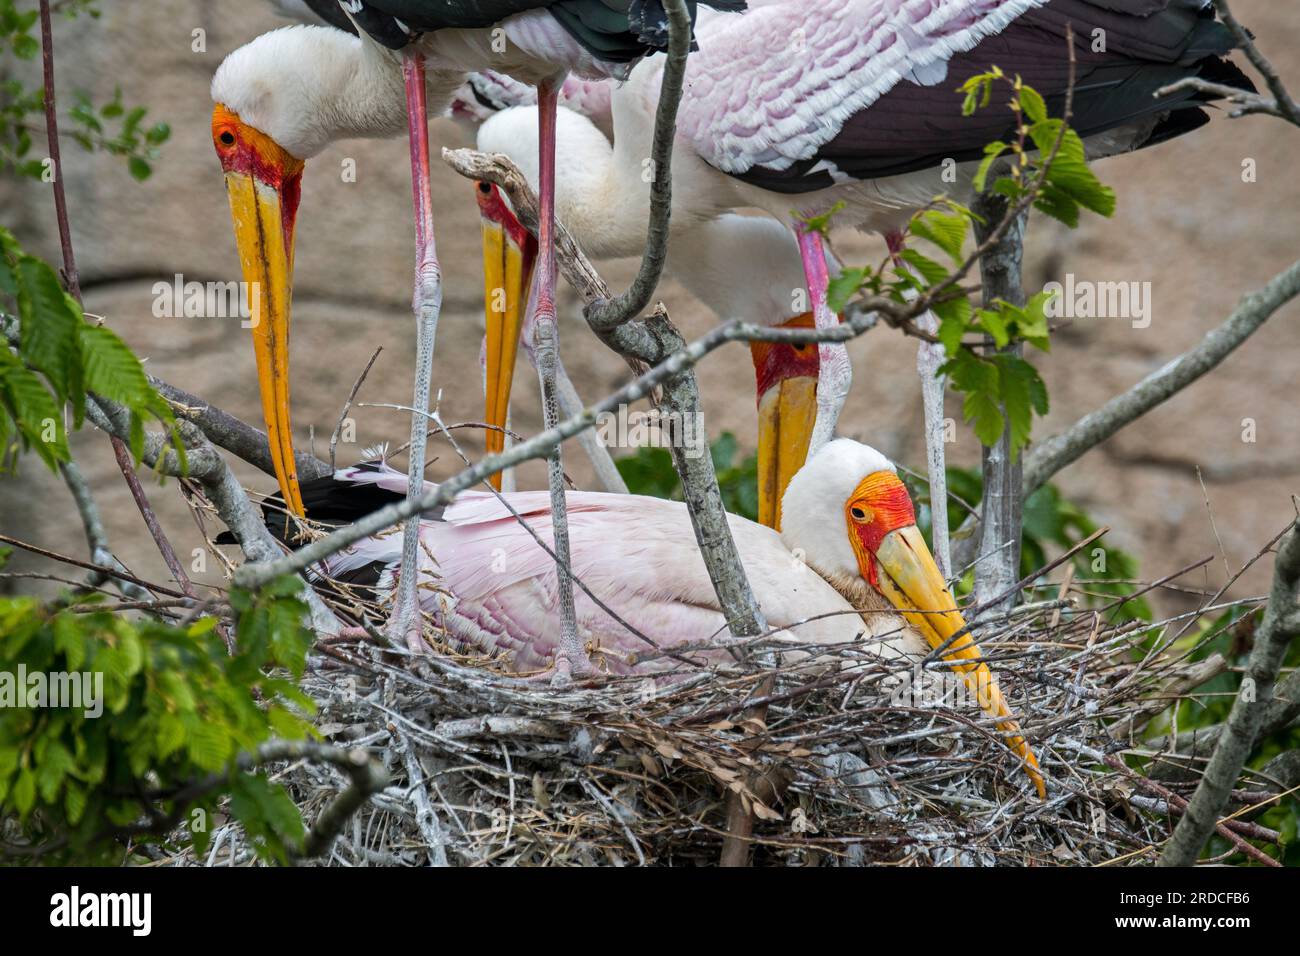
857,760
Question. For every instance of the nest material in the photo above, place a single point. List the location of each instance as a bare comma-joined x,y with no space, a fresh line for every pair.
856,761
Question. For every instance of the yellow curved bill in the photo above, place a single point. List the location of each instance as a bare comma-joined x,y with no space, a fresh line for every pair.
266,258
913,584
508,257
786,414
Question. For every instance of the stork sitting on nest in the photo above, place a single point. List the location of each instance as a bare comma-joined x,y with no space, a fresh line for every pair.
849,565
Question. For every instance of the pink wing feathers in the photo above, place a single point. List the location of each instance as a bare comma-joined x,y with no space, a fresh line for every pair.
636,554
774,85
490,583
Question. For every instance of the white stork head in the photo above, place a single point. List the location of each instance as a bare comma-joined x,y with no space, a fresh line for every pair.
850,516
278,101
308,86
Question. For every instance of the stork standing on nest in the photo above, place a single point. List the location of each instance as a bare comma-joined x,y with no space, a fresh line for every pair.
799,109
277,100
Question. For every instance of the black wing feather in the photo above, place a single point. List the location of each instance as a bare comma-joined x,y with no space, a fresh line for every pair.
618,31
1149,44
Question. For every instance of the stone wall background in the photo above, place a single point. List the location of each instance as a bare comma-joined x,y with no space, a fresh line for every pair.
1187,223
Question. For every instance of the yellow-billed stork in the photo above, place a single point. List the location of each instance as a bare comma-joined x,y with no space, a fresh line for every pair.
798,109
285,96
849,565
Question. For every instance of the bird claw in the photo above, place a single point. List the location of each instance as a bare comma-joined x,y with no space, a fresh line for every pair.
565,672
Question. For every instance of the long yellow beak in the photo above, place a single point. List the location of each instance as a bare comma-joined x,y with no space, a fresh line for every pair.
266,258
913,584
786,414
508,255
786,380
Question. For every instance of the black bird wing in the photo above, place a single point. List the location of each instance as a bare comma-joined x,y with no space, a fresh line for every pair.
1149,44
617,31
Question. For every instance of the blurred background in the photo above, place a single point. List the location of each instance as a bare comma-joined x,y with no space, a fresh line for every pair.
1187,223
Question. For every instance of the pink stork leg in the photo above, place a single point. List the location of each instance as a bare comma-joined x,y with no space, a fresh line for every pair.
405,624
929,357
836,373
570,657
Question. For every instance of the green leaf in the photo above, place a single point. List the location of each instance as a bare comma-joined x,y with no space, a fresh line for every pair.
1032,324
113,371
158,134
268,815
8,281
209,746
32,410
954,319
983,411
843,287
49,322
1023,393
993,322
991,153
68,640
55,764
945,230
1033,105
26,47
822,223
1069,173
24,792
74,801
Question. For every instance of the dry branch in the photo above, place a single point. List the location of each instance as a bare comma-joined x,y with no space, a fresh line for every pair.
1061,450
206,466
1272,640
604,314
120,452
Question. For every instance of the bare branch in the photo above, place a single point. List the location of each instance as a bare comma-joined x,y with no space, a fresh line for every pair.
1055,453
120,452
208,468
343,415
1003,502
1272,640
235,435
1282,104
603,314
96,536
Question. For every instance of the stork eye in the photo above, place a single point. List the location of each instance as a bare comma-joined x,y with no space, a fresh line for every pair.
484,188
858,513
227,138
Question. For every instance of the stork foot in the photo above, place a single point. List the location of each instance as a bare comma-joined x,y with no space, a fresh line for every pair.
571,667
566,670
415,639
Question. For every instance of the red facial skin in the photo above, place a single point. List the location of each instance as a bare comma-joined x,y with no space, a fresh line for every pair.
878,506
493,208
243,149
776,362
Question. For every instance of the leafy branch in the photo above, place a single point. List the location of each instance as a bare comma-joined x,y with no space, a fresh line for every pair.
113,127
1043,166
160,731
60,359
